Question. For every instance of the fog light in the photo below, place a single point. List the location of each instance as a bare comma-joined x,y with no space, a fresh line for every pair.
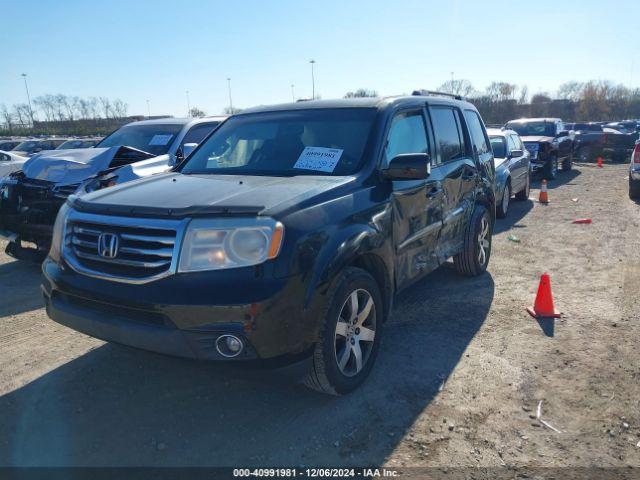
229,346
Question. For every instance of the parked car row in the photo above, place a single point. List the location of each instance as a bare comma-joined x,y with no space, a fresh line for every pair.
27,147
276,233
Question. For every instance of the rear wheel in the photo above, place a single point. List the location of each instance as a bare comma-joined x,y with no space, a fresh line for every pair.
524,193
634,189
474,257
584,154
348,343
503,208
551,170
567,163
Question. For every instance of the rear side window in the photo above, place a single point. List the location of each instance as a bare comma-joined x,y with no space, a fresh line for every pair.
499,147
448,133
406,135
476,130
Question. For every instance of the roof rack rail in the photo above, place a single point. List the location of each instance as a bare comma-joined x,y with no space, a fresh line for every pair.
433,92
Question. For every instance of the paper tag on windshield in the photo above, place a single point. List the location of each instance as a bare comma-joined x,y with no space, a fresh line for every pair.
319,158
160,139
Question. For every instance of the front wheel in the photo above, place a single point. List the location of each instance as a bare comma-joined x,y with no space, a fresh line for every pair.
551,170
348,343
474,257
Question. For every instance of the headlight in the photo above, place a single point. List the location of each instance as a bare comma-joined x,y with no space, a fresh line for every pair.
58,233
216,244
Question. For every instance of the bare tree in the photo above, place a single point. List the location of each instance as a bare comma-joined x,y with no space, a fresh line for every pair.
46,105
458,87
7,117
524,95
22,114
105,105
361,93
119,108
195,112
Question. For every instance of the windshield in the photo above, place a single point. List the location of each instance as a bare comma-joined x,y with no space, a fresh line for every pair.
298,142
155,139
498,146
70,144
26,146
533,129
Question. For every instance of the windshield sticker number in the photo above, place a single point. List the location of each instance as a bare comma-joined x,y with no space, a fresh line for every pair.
161,140
319,158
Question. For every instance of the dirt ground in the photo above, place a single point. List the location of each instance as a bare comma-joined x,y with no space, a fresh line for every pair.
461,370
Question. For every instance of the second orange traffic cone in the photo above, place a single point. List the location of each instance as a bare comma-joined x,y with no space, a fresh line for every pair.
544,196
543,306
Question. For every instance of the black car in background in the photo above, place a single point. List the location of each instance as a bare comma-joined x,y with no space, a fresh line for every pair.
287,232
513,168
548,142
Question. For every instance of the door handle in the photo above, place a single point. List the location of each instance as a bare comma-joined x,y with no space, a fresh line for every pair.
434,192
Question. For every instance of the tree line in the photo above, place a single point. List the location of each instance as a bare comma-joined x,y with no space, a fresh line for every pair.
595,100
51,113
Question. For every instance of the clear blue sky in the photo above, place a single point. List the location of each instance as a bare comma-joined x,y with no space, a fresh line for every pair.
134,49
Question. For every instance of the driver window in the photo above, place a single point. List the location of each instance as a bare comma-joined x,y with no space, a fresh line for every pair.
406,135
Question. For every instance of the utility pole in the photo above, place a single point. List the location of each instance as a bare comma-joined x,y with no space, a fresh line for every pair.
313,80
26,87
148,110
188,105
293,96
230,102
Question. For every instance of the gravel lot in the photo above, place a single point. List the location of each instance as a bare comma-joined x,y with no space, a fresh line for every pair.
460,374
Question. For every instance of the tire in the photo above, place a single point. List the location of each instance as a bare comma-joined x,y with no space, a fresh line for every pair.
523,194
327,375
551,169
584,154
567,163
634,189
468,261
503,208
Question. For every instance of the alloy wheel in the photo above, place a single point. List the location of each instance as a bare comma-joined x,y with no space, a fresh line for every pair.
483,241
506,197
355,332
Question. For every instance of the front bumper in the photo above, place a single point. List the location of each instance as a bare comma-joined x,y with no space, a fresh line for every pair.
184,314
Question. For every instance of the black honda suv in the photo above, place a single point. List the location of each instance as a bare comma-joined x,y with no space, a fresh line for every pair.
287,232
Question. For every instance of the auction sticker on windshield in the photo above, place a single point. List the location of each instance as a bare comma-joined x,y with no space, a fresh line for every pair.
160,139
320,159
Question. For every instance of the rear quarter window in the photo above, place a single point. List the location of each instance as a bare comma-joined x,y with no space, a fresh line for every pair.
477,132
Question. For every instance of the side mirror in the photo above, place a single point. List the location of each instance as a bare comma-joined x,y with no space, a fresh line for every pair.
409,166
187,148
37,150
563,133
516,153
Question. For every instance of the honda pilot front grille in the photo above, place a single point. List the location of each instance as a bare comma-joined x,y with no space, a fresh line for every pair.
131,250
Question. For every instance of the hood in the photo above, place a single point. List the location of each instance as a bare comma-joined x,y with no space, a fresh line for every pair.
68,167
175,194
537,139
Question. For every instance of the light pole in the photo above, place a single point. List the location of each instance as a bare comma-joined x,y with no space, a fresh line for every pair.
293,95
313,80
188,105
452,82
148,110
26,87
230,102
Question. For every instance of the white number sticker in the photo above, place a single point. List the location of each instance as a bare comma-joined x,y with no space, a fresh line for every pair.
319,158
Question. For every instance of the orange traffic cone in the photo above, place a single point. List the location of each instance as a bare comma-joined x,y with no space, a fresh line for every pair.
544,196
600,162
543,306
